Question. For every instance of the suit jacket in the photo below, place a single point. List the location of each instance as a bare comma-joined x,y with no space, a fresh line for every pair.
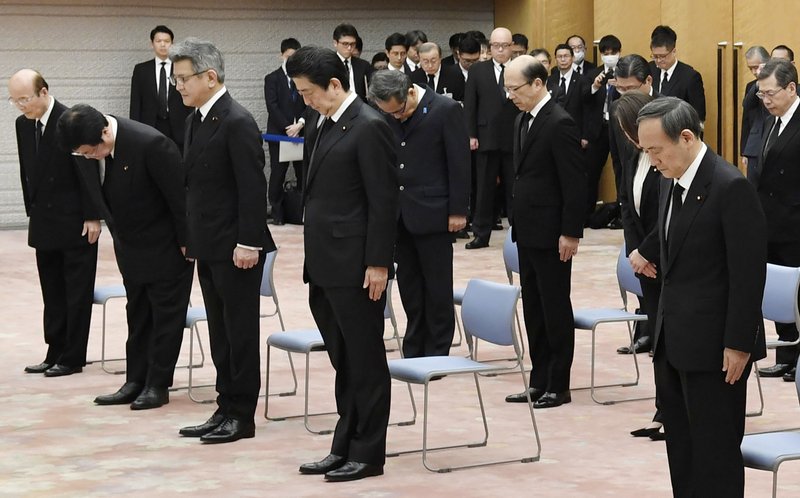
144,100
226,190
573,102
362,73
779,181
489,113
754,114
451,81
588,68
145,202
350,198
713,271
448,61
593,105
685,83
434,164
55,200
283,108
550,182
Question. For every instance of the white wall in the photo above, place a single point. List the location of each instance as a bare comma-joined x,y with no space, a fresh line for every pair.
86,49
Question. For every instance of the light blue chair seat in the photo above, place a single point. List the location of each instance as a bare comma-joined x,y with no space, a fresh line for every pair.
589,318
297,341
768,451
421,370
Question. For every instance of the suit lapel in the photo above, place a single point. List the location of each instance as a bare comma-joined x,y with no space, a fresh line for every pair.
538,123
663,201
337,131
207,128
421,113
787,136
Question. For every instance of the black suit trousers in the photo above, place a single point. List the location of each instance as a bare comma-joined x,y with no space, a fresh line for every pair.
704,425
549,321
425,278
786,254
277,177
596,155
156,321
67,281
232,300
488,166
352,327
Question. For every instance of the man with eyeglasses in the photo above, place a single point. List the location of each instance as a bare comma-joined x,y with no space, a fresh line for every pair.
519,45
579,62
490,116
154,101
670,76
566,86
753,113
396,46
345,37
135,174
442,80
779,186
63,225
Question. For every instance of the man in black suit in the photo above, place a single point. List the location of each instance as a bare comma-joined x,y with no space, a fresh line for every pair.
753,114
672,77
709,328
566,86
489,115
350,220
140,185
284,117
452,59
579,62
359,71
153,100
396,46
519,45
433,158
547,226
415,38
226,232
63,228
778,187
443,80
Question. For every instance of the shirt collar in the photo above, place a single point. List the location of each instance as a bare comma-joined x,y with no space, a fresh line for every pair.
159,61
46,114
284,68
205,108
670,70
567,76
788,116
686,179
351,96
541,104
112,122
341,58
497,65
420,93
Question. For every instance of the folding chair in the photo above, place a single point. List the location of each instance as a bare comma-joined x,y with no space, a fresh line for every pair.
487,312
307,341
591,318
102,295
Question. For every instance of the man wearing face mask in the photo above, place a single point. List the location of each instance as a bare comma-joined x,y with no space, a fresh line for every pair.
674,78
579,63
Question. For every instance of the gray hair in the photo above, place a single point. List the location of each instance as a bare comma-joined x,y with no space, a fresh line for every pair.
785,72
386,84
675,114
757,51
429,47
203,54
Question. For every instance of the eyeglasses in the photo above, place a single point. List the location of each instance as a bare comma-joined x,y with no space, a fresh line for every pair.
90,154
500,46
174,80
769,93
429,62
564,56
577,47
661,57
467,62
398,112
513,89
20,101
347,44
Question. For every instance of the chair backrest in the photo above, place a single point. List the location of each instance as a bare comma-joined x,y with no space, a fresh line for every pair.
780,294
510,257
487,311
626,277
267,284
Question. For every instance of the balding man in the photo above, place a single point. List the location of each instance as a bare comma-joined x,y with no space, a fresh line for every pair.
549,200
63,226
443,80
490,116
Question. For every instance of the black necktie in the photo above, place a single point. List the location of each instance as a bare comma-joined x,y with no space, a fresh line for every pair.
562,91
38,135
197,120
105,172
293,89
523,128
664,81
501,82
432,82
677,204
326,125
162,92
347,68
773,135
578,70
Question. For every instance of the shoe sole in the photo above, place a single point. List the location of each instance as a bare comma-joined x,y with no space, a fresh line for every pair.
147,407
227,440
348,478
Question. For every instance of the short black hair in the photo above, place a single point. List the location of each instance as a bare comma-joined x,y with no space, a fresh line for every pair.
663,36
469,45
583,42
632,65
345,30
455,39
520,39
380,57
80,125
478,35
610,42
788,50
415,37
563,46
318,65
161,29
359,44
396,39
289,44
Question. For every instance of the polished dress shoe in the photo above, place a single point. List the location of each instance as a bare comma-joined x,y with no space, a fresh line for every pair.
658,436
642,345
151,397
61,370
204,428
126,394
552,400
776,370
462,234
327,464
352,471
232,429
38,369
477,243
790,375
645,432
522,398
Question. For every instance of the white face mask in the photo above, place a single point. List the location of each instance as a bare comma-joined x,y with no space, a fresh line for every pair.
578,56
611,60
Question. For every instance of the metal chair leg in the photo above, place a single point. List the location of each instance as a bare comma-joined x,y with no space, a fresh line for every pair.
760,411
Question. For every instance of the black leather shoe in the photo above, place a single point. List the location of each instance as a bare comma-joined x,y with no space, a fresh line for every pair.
277,221
776,370
127,393
204,428
522,398
327,464
462,234
38,369
790,375
229,431
151,397
352,471
552,400
497,226
658,436
645,432
642,345
61,370
477,243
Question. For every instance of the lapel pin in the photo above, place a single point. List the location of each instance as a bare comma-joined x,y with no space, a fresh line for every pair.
344,128
214,118
125,168
699,198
